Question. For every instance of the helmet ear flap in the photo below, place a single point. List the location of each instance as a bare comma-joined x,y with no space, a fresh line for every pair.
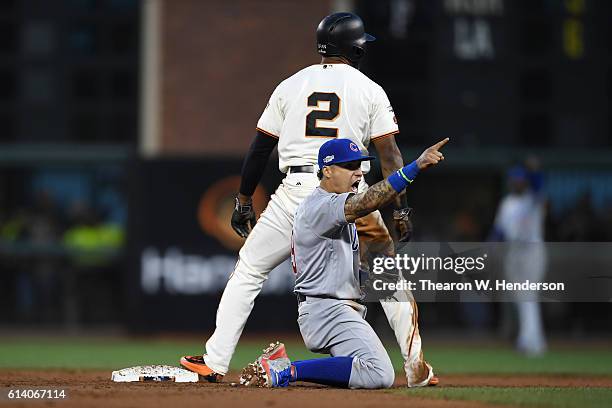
358,52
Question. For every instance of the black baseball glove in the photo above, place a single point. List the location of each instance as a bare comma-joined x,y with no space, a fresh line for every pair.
243,218
403,224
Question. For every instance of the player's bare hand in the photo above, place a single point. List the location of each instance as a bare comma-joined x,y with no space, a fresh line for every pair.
432,155
243,218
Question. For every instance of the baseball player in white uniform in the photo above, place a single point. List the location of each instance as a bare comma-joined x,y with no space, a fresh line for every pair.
520,222
330,100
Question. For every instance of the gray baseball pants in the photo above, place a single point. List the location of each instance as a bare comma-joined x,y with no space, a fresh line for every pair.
338,327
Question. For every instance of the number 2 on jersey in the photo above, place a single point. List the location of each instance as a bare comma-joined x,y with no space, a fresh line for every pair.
312,128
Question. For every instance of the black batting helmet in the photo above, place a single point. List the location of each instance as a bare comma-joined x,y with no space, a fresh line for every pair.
342,35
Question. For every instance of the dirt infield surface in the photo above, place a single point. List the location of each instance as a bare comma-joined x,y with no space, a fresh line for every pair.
95,389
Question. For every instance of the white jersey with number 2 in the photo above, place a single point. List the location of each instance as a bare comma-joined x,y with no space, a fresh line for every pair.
325,101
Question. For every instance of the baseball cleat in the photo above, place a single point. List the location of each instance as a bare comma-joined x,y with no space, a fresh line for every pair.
424,375
271,369
196,364
434,380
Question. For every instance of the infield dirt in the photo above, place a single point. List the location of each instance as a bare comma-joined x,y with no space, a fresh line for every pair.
95,389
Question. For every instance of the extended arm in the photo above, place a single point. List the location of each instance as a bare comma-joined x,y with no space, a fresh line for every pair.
390,160
381,193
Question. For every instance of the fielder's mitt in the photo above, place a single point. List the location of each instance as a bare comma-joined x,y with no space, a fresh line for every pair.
403,224
243,218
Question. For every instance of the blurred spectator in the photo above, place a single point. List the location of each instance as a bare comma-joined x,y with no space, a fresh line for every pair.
581,223
88,238
47,248
38,226
13,227
44,220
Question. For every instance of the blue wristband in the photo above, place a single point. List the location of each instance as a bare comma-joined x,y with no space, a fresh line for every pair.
404,176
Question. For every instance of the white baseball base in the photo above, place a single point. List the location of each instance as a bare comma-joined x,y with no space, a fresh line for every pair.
154,373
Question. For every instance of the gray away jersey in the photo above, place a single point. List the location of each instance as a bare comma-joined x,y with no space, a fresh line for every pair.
325,248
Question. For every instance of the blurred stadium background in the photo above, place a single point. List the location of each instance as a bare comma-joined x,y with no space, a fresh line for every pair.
124,124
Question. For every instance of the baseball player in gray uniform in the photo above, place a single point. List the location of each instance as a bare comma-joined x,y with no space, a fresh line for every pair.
325,258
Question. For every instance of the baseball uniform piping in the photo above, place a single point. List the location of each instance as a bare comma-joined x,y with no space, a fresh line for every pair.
267,133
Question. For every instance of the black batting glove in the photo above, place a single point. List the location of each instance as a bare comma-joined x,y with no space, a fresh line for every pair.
243,218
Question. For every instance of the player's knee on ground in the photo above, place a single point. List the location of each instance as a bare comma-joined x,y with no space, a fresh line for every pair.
372,374
387,375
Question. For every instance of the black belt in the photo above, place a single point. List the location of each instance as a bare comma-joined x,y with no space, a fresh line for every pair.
301,298
301,169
